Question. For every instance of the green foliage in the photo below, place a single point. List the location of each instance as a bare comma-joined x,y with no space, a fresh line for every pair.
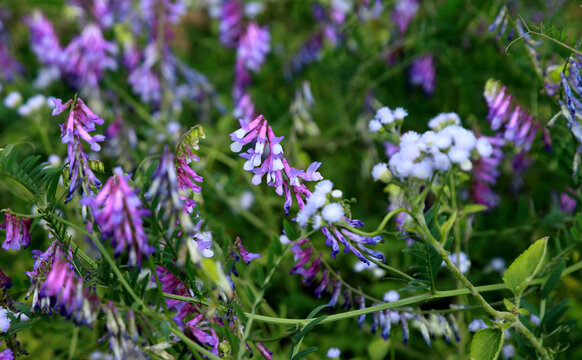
526,267
486,344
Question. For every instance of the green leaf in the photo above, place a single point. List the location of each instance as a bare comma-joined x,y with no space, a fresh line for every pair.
508,304
446,227
303,353
486,344
553,279
526,266
474,208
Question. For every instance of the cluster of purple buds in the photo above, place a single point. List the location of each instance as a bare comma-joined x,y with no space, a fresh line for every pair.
79,123
123,334
188,178
118,212
422,73
17,231
43,262
404,12
280,174
517,126
67,294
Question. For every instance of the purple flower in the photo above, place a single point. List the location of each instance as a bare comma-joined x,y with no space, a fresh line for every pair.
230,25
44,42
88,56
118,211
17,232
246,256
485,174
9,66
404,12
172,11
6,354
279,173
567,203
572,101
68,295
253,47
199,329
122,334
80,121
422,73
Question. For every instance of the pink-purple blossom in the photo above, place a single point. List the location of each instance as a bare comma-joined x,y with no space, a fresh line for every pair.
422,73
17,232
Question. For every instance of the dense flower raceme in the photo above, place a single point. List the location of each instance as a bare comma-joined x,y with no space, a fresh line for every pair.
54,285
118,212
122,334
17,231
79,123
275,166
572,101
230,25
43,39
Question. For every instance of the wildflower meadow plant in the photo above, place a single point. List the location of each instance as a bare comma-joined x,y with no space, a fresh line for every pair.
227,179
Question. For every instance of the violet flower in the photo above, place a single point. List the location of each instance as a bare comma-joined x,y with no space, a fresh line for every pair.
9,66
253,47
17,232
68,295
230,25
485,174
5,282
88,56
43,262
118,211
6,354
280,174
44,42
404,12
572,101
422,73
246,256
263,351
80,121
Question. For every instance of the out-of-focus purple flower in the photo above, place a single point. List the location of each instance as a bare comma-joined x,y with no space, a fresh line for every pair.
9,66
263,351
485,174
461,261
172,11
245,108
246,256
6,354
339,10
88,56
231,25
68,295
571,103
44,42
253,47
404,12
80,121
308,53
146,83
567,203
422,73
17,232
118,211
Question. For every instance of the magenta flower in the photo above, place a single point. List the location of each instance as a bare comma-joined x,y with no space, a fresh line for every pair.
17,232
43,262
80,121
230,25
68,295
118,211
44,42
422,73
263,351
404,12
6,354
485,174
5,282
253,47
88,56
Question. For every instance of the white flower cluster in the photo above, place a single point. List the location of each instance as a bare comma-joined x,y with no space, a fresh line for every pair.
447,144
331,212
385,116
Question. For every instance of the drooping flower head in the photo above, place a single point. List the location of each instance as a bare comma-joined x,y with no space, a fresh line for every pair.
44,42
230,25
79,123
253,47
118,211
17,232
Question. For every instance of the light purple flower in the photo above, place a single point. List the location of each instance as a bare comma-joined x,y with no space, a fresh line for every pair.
6,354
485,174
17,232
246,256
422,73
88,56
253,47
230,25
404,12
263,351
118,211
79,123
44,42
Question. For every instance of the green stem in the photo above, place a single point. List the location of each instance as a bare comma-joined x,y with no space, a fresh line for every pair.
532,339
380,228
392,270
